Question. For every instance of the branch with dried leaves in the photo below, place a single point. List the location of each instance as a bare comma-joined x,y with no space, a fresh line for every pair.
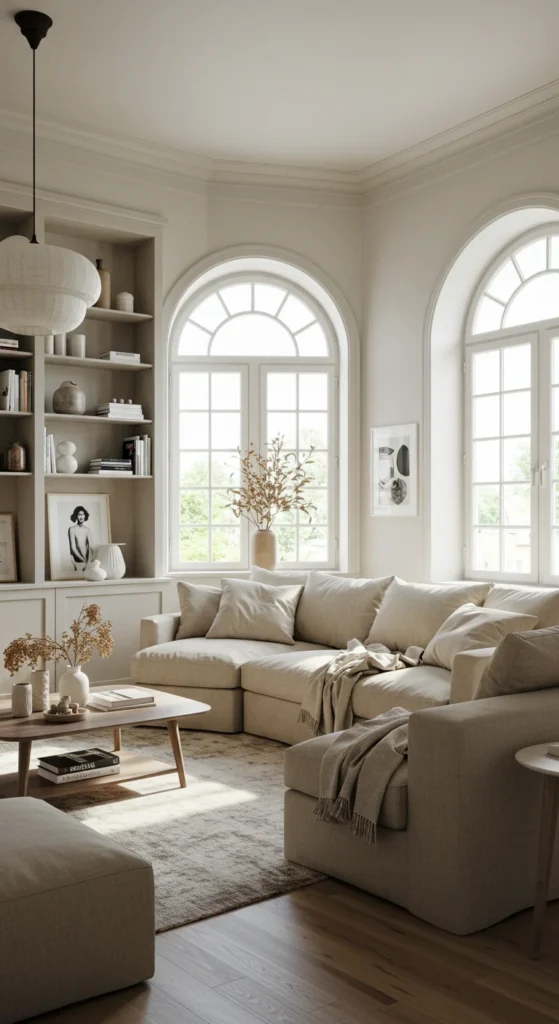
87,634
272,484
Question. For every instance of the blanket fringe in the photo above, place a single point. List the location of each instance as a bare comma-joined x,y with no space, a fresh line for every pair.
363,828
311,723
337,812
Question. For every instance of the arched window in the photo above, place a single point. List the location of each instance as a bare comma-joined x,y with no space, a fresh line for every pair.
253,356
512,416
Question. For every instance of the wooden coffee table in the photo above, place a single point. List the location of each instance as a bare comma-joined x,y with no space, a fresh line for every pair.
23,731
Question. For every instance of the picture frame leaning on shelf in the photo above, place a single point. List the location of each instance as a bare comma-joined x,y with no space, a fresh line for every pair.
77,524
8,559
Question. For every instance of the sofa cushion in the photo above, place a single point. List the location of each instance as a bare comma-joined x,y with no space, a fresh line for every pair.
199,607
522,662
279,577
532,600
470,627
255,611
302,772
335,609
286,676
202,662
411,613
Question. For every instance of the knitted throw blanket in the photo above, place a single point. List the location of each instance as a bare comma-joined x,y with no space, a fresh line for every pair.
326,706
356,770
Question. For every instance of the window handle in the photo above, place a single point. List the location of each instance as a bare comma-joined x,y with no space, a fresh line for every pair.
534,475
543,471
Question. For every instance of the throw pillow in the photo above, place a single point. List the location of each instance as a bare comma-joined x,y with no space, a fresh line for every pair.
336,609
279,577
255,611
522,662
540,602
470,627
411,613
198,609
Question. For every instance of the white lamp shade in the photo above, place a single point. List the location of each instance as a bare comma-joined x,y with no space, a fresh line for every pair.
44,289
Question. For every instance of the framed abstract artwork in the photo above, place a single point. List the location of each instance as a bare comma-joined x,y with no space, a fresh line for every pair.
394,470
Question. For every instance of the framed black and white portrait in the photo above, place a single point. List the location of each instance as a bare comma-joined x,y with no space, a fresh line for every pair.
78,524
394,470
8,562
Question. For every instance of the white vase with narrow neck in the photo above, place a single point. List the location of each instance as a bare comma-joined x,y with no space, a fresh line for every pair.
264,549
74,684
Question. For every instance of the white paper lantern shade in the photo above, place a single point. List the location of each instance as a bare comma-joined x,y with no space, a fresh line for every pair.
44,289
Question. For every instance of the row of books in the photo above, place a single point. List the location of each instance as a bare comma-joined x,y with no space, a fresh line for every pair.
50,453
111,467
121,357
18,387
120,411
9,342
79,765
138,449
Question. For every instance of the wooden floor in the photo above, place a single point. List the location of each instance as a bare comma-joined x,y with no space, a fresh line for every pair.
330,954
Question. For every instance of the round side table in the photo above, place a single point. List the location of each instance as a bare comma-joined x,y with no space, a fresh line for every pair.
536,759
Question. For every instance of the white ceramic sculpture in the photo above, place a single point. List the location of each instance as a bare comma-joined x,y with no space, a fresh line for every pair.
94,573
124,301
65,461
111,560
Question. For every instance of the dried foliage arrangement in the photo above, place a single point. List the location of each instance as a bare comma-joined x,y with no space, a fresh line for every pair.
272,483
86,635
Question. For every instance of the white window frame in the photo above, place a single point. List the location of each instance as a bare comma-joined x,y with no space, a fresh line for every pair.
253,411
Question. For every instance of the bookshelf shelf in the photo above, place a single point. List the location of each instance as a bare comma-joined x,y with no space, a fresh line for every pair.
61,417
89,476
14,415
96,364
12,475
15,353
115,316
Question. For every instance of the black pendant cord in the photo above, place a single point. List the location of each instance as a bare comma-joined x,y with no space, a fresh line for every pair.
34,26
34,235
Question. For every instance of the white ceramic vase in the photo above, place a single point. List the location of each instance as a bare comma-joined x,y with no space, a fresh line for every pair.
264,549
40,689
112,561
94,573
65,461
22,700
74,684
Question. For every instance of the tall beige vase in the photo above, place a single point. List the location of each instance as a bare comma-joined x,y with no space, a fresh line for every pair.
264,549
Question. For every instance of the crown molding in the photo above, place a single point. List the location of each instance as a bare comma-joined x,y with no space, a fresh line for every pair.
182,171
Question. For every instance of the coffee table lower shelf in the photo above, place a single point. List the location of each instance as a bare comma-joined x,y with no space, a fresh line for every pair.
132,767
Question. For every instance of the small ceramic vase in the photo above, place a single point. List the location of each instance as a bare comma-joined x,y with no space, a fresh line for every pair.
60,344
112,561
264,549
40,689
49,344
124,301
94,573
104,300
65,461
75,684
69,399
22,700
17,458
76,346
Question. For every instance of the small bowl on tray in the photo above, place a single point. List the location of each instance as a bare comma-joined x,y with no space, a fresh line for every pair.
65,712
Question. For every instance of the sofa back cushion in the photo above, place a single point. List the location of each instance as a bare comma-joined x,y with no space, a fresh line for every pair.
198,606
534,601
279,577
411,613
522,662
470,628
255,611
336,609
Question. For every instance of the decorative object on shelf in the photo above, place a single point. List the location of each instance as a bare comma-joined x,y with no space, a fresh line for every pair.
49,344
65,710
121,409
18,386
76,346
114,356
8,562
104,300
78,524
65,461
138,450
94,573
394,470
87,635
272,484
110,467
69,399
4,399
44,289
124,302
17,458
112,561
60,344
22,700
40,689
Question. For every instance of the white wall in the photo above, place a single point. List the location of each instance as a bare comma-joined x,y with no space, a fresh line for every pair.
412,233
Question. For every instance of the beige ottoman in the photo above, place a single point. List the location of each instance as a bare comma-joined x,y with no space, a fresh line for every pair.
76,911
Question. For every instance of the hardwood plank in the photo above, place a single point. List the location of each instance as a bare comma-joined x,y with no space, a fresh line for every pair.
201,964
205,1002
259,1000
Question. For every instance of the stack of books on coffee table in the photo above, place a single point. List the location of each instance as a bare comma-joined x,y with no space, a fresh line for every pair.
120,699
79,764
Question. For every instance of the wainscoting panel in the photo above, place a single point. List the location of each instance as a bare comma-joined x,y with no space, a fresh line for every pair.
23,611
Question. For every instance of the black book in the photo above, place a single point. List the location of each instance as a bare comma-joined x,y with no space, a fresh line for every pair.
79,761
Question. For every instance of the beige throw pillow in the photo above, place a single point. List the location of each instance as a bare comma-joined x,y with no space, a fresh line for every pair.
411,613
534,601
470,627
279,577
522,662
335,609
255,611
198,609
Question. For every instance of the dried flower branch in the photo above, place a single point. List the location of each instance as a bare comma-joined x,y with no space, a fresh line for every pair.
272,484
86,635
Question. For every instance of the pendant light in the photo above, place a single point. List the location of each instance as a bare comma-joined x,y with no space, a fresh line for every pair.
44,289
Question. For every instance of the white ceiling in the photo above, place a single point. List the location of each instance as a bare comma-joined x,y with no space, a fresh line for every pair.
333,84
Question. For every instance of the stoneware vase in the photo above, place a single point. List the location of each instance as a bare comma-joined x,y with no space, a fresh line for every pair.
65,461
104,300
22,700
112,561
68,399
40,689
264,549
74,684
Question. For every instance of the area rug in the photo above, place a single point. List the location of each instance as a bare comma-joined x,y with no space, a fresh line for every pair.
216,845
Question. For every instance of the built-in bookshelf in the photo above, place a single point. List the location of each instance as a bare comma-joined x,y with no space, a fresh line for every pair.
130,249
